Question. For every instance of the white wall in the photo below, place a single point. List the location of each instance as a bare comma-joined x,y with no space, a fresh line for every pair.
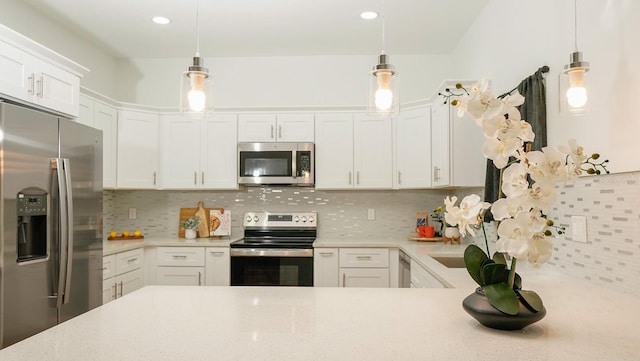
31,22
512,38
280,81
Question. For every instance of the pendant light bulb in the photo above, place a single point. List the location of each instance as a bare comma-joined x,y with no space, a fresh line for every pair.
384,95
383,88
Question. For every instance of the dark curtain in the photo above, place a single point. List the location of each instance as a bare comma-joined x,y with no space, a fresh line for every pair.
534,111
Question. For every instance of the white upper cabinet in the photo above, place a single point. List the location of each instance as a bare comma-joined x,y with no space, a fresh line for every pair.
293,127
413,149
198,153
353,151
456,149
103,117
30,77
137,150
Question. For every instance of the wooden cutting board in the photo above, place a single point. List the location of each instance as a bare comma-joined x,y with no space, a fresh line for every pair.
424,239
188,212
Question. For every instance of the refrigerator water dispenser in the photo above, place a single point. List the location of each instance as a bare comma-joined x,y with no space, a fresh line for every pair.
32,225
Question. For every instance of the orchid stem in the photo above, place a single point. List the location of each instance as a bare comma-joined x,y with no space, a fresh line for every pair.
512,272
486,243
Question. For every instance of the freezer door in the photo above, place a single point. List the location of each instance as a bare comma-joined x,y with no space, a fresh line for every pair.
30,141
82,147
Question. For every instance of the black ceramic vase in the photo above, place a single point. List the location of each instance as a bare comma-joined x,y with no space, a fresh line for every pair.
478,306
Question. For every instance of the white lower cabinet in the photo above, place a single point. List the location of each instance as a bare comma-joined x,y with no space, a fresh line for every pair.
217,266
421,278
180,266
122,274
326,267
364,267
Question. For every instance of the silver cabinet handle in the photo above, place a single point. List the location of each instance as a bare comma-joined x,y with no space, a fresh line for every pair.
363,257
358,177
217,253
272,132
154,178
121,289
32,80
132,260
399,177
344,280
436,173
349,177
199,278
195,178
40,87
326,254
104,269
115,291
279,131
203,177
179,257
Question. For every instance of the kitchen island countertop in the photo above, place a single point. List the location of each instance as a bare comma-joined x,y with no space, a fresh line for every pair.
584,322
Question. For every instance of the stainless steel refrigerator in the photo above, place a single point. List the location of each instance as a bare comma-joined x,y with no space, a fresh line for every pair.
50,223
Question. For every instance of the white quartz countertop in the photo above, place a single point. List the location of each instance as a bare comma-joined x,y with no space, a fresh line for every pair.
160,323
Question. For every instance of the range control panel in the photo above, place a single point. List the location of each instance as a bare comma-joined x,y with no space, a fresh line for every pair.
279,220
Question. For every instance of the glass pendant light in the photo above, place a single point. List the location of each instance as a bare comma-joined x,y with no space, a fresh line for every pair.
575,75
383,85
195,84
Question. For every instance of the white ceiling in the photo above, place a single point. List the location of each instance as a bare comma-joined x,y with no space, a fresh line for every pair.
266,27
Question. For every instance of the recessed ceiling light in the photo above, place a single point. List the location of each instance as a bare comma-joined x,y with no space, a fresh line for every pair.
369,15
161,20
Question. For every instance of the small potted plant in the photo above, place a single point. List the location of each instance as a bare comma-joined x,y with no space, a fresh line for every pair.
190,226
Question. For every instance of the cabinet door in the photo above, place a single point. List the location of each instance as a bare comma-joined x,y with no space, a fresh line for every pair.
105,118
179,152
217,266
137,150
86,111
364,277
56,88
295,128
257,128
334,151
413,149
16,72
219,152
109,288
372,152
421,278
326,270
440,145
180,276
128,282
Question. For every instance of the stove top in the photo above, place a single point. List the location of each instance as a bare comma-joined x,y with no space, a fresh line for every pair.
278,230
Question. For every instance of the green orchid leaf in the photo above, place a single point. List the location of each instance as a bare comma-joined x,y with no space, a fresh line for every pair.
494,273
474,257
499,258
503,298
517,282
531,300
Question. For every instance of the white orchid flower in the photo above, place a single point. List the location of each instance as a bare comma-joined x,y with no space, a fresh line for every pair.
575,151
540,248
514,180
532,221
505,208
452,213
541,196
512,239
547,166
500,150
466,215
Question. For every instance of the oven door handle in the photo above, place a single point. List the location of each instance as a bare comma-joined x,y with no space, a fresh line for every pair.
271,252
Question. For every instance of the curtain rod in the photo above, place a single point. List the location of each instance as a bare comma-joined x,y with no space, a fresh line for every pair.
541,70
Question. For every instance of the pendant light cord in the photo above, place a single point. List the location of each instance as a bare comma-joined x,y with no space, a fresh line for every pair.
575,22
197,27
383,28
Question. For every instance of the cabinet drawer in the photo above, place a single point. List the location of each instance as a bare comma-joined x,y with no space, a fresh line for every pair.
364,257
128,261
108,266
181,256
181,276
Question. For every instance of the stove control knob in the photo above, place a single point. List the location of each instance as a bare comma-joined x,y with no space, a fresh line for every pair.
255,218
310,219
249,219
304,218
296,219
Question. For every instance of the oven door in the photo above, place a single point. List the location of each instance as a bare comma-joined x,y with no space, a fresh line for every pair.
271,267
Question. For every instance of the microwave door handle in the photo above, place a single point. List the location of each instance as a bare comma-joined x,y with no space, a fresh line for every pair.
294,164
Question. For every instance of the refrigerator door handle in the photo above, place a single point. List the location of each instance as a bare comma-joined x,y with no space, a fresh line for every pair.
58,167
69,227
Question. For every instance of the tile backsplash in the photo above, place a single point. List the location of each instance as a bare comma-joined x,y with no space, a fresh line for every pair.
611,203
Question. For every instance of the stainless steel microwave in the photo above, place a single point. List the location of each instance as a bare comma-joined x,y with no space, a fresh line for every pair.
276,163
